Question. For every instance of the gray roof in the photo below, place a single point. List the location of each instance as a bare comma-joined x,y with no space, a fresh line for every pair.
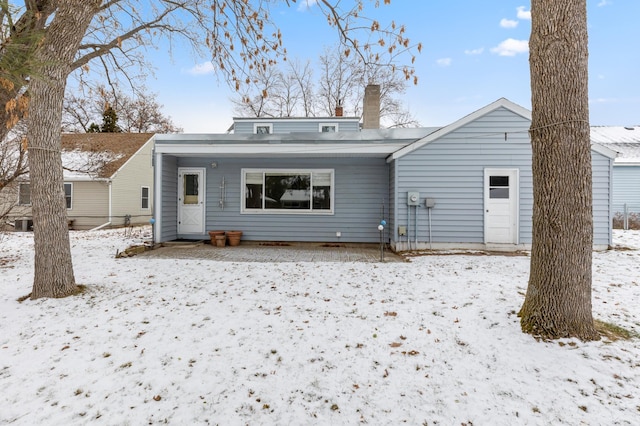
624,140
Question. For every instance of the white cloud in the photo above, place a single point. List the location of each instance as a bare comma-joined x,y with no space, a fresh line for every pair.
525,14
201,69
508,23
511,47
477,51
443,62
605,3
306,4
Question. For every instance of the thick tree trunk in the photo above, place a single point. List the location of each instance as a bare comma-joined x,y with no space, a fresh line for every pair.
558,299
53,274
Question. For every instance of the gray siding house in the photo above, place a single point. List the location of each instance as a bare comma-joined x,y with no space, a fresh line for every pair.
626,167
466,185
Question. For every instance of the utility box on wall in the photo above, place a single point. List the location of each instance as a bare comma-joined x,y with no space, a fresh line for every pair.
413,198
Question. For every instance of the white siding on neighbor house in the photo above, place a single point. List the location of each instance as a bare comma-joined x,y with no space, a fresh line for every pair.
89,204
9,196
626,188
127,185
361,189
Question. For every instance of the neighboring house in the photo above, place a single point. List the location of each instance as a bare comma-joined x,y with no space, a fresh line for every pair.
108,181
466,185
626,167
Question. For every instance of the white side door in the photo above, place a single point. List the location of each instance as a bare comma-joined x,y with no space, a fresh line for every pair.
501,206
191,207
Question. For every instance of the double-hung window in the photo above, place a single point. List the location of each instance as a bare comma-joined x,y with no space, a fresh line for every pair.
287,191
24,194
262,128
68,195
328,127
144,198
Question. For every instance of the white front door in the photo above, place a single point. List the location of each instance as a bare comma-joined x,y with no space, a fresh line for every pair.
501,206
191,210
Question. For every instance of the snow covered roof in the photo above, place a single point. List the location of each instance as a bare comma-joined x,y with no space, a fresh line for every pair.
624,140
87,156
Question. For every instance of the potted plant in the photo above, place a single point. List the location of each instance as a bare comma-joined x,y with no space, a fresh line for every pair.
214,234
234,237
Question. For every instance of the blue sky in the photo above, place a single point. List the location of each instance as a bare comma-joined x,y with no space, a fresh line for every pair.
474,52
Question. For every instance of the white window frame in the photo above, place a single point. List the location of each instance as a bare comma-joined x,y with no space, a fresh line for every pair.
334,125
244,210
70,195
267,125
20,191
142,197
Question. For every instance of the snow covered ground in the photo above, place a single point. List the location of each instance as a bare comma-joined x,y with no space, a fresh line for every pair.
435,341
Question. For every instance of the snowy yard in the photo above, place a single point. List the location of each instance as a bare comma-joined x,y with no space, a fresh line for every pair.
435,341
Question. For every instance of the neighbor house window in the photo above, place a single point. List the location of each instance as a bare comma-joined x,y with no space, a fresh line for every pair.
144,198
263,129
68,194
287,191
24,194
328,127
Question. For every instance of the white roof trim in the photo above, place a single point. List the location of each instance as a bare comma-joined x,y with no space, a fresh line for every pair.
280,149
500,103
601,149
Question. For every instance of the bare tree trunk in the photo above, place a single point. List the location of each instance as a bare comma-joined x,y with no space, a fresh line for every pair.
53,275
558,299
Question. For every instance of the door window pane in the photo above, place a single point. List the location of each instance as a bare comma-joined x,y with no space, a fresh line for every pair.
190,188
499,181
499,187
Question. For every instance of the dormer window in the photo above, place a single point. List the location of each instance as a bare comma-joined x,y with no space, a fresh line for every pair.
263,129
328,127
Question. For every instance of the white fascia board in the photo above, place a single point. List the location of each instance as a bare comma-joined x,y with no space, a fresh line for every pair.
622,162
278,149
601,149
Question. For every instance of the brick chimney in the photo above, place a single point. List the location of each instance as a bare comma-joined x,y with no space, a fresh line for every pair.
371,107
339,110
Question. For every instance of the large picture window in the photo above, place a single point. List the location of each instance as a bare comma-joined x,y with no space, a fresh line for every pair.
287,191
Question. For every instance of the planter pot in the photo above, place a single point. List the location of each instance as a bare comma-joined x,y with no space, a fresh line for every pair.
213,234
234,237
220,240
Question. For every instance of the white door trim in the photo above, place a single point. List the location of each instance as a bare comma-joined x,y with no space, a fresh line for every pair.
505,211
191,218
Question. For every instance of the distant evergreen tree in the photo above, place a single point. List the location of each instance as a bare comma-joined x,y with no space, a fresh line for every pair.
109,123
